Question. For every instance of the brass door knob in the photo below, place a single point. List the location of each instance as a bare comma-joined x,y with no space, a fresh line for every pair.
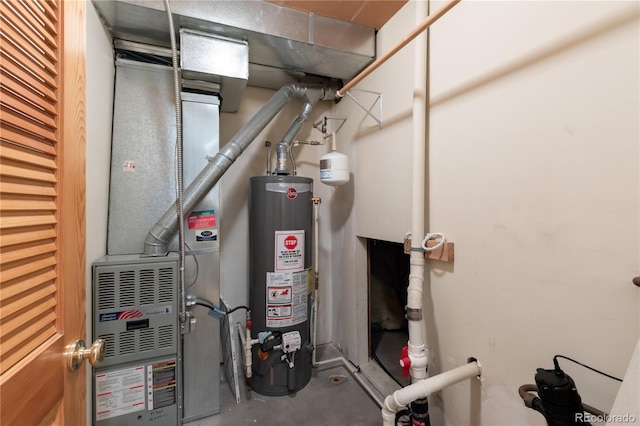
636,281
77,352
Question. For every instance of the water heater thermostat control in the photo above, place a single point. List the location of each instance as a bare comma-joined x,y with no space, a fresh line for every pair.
291,341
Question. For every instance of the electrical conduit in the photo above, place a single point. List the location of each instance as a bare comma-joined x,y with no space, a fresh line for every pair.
179,179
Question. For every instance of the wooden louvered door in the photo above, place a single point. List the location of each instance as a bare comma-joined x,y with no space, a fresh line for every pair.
42,207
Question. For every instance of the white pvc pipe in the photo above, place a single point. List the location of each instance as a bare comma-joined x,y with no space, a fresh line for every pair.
316,238
418,353
314,311
423,388
247,343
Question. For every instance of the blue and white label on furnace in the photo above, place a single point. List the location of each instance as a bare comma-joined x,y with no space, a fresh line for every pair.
133,313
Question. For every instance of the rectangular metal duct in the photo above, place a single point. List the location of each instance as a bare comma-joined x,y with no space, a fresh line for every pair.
285,45
218,60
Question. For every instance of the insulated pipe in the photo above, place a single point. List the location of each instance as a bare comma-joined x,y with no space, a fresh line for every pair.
426,23
423,388
418,353
160,234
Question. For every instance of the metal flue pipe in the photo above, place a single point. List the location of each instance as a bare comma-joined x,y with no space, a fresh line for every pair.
283,150
161,233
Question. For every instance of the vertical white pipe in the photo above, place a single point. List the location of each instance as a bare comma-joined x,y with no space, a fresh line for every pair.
316,249
417,349
248,360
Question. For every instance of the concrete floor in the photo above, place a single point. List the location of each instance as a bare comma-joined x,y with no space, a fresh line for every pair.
386,347
332,398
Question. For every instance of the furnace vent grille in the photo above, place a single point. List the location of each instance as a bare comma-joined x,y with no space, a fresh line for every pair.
138,341
106,291
147,339
166,285
126,289
136,309
109,340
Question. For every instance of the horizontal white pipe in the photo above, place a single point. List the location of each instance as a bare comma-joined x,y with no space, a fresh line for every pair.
423,388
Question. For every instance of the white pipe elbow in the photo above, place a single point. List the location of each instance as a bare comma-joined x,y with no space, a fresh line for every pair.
423,388
389,410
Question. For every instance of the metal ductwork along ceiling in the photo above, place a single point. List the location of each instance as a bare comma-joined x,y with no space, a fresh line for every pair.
284,45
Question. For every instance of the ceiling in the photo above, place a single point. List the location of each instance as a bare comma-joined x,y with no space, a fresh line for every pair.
370,13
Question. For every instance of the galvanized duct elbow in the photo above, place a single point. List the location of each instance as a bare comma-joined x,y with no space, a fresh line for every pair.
283,149
161,233
294,129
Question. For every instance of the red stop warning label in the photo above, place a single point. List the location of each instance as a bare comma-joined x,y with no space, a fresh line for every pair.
289,250
290,242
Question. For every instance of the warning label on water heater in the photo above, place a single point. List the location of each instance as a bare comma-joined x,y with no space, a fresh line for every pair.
287,294
289,251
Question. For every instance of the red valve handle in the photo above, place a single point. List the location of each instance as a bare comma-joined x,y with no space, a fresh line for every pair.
405,361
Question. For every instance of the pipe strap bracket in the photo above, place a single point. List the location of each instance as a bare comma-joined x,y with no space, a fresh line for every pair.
414,314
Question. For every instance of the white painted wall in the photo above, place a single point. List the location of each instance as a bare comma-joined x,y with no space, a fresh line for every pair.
546,147
100,73
534,163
